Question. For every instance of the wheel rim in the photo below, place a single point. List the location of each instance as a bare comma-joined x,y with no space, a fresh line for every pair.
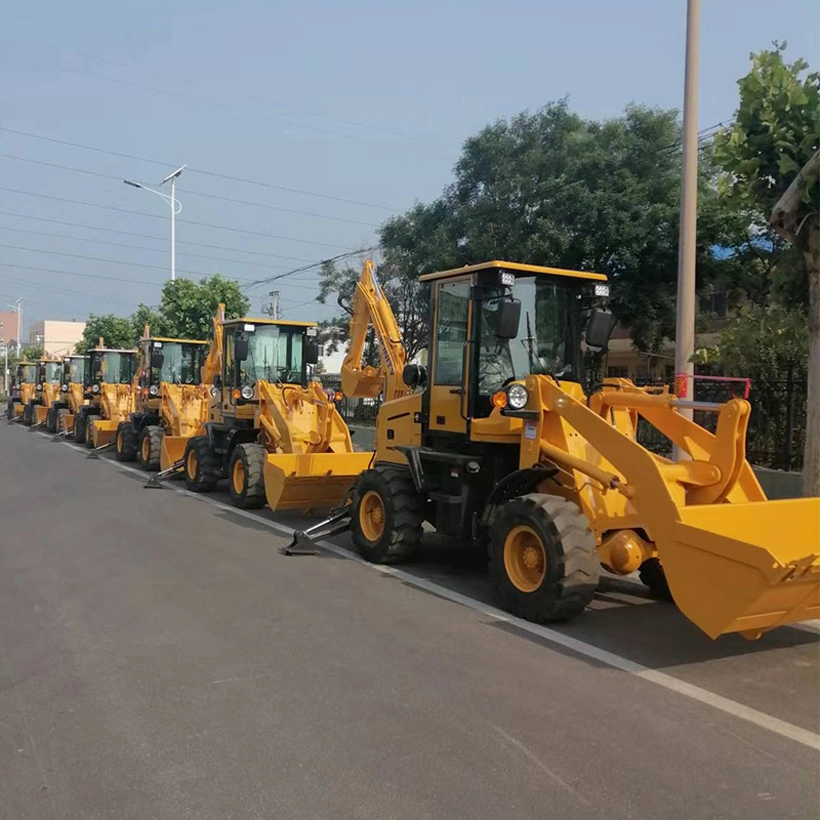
146,449
371,516
238,477
525,558
119,441
191,465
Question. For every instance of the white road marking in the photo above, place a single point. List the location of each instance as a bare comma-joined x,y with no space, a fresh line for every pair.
730,707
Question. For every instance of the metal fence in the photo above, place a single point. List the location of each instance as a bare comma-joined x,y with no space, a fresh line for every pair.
777,428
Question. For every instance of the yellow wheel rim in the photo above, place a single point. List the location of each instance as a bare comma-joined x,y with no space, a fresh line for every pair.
371,515
119,441
146,448
191,465
525,558
238,477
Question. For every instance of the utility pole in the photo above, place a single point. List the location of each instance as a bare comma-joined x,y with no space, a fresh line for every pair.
273,307
17,307
685,327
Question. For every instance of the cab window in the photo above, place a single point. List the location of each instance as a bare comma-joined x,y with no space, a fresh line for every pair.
451,332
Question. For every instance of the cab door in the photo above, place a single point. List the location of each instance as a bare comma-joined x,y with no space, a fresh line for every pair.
452,334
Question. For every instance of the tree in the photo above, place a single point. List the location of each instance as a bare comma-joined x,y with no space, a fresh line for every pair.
115,330
145,315
554,189
187,307
769,157
30,353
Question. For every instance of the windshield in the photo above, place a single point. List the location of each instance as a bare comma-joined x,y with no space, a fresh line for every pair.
53,371
180,363
75,370
115,368
548,340
27,373
274,355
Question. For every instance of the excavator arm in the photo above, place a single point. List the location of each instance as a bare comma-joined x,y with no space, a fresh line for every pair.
213,362
370,306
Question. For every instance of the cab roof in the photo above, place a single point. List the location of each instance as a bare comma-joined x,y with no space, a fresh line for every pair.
110,350
513,266
282,322
169,339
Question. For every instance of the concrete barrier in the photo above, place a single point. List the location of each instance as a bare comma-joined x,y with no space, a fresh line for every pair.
779,483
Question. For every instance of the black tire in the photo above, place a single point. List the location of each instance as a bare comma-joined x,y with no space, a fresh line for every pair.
10,409
28,414
60,423
80,427
150,447
89,432
201,465
126,442
246,476
392,490
568,579
51,419
652,574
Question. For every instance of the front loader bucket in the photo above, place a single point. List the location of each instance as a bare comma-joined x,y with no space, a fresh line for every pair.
313,481
745,567
173,448
103,431
65,422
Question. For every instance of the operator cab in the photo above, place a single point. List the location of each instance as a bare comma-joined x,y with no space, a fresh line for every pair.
26,374
73,371
175,361
271,350
109,366
48,371
499,322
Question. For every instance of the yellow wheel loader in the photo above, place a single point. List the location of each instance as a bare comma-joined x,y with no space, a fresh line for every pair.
47,389
276,435
63,410
167,384
496,443
109,392
23,392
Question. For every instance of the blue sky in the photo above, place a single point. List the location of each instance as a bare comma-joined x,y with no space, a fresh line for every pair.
363,102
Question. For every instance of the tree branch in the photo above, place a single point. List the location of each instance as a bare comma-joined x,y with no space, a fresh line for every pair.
787,210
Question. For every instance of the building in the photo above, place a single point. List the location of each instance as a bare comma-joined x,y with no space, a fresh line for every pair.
8,319
56,338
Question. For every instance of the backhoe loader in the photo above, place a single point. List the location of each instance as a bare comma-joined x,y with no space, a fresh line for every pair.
108,389
498,445
22,390
62,411
168,377
47,390
272,431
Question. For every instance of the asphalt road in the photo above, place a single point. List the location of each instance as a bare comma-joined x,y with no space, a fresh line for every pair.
160,659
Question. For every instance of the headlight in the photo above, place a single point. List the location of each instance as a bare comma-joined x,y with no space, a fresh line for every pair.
39,386
517,396
95,388
153,390
246,392
214,391
64,388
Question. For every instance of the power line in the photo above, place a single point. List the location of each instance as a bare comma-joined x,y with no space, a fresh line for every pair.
157,238
159,216
199,170
312,214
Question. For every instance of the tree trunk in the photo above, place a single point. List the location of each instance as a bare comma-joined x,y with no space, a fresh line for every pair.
811,455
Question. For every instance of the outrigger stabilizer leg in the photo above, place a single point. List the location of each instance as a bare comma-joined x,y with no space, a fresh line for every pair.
62,434
305,541
93,453
155,482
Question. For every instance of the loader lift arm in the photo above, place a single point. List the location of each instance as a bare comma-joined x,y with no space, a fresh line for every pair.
370,306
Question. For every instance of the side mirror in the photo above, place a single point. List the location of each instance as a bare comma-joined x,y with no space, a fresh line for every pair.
508,318
218,381
240,347
414,375
311,351
599,329
157,359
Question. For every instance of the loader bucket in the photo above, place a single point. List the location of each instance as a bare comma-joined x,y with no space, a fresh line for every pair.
103,431
173,448
312,481
65,422
745,567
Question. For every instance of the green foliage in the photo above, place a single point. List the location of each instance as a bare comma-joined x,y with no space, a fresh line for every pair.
187,307
776,131
30,353
143,316
115,330
554,189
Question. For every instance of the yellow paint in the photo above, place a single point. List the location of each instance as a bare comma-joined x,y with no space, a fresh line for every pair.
525,558
372,516
513,266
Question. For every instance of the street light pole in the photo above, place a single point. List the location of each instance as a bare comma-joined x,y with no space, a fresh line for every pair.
685,327
176,207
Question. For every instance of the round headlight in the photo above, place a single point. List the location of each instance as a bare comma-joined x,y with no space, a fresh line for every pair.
39,386
95,388
64,388
246,392
153,390
214,391
517,396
